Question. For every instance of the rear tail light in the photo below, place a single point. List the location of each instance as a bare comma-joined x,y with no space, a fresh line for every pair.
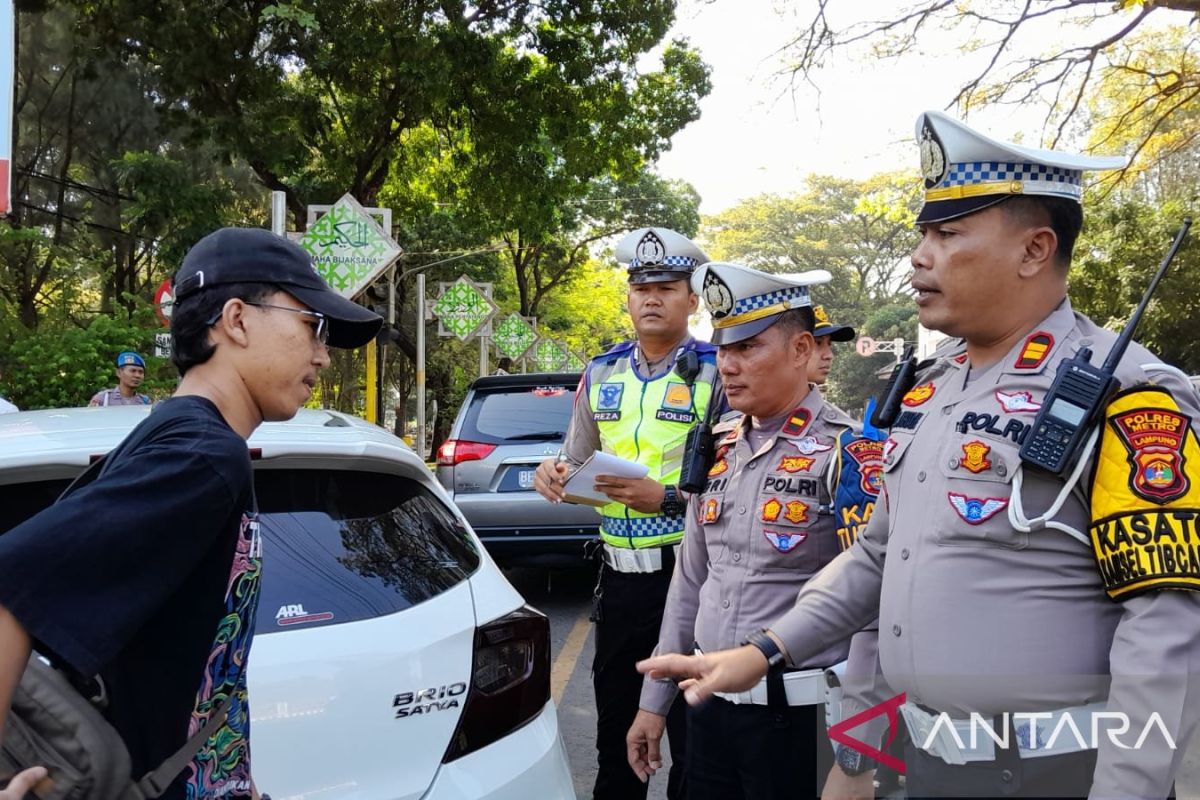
510,680
456,451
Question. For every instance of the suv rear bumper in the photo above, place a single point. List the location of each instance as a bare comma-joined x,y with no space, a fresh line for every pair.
529,762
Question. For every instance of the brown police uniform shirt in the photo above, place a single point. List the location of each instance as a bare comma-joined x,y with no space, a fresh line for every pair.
976,616
762,527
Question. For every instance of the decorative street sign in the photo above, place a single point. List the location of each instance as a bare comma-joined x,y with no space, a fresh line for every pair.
164,302
575,363
462,308
513,336
348,247
550,355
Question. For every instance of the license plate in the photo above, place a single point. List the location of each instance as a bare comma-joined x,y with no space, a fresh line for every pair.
525,478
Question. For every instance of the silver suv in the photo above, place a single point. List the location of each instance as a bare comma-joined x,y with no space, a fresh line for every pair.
508,424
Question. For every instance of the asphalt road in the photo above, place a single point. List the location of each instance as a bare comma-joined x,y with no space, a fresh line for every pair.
565,595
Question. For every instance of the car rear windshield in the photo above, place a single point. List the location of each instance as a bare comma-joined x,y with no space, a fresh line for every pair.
342,545
338,545
518,413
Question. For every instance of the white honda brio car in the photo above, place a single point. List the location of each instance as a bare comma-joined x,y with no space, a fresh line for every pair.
391,657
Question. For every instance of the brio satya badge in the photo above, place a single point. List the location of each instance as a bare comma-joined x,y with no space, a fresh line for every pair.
650,249
933,157
717,296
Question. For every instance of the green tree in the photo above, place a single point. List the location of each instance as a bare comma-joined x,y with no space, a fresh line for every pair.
1061,53
1115,259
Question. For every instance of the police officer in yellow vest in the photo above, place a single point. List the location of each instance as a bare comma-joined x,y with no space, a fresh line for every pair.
1042,628
638,401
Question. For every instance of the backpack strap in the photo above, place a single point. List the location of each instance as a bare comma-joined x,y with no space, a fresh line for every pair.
155,782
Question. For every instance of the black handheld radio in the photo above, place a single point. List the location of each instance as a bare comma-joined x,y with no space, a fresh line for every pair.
699,449
900,382
1081,391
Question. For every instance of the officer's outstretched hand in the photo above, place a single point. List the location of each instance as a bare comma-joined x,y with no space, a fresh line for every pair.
548,479
642,744
640,494
722,671
23,783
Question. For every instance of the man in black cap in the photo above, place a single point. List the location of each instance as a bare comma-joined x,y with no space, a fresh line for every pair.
825,334
638,402
162,546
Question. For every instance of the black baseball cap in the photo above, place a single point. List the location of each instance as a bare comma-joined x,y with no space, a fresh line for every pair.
255,255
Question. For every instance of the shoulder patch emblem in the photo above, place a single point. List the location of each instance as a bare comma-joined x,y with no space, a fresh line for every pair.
1018,402
809,445
975,456
1036,348
719,467
869,455
1154,438
796,423
918,395
974,510
785,542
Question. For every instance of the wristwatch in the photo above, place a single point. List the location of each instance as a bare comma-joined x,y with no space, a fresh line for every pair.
852,762
672,506
766,646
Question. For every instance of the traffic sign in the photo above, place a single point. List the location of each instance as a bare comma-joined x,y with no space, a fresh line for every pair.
462,308
349,248
164,302
550,355
513,336
865,346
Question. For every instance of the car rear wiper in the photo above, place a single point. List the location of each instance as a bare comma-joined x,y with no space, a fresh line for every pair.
536,436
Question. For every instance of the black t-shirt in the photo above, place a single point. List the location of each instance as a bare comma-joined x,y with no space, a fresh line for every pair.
149,577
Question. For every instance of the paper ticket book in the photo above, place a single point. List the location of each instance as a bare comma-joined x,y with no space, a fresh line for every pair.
579,485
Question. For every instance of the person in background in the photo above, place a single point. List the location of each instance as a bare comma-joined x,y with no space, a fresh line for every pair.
131,371
825,334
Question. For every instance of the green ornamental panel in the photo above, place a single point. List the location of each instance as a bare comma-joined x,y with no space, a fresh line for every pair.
348,247
550,355
463,308
513,336
575,363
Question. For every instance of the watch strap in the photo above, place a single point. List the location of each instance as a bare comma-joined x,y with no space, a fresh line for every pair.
766,646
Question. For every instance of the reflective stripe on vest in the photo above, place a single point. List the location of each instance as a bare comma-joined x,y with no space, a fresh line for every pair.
646,421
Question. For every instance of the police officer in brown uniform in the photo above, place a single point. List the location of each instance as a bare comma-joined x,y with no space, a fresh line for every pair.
765,523
1041,605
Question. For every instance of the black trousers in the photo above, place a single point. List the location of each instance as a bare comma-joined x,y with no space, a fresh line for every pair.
1068,775
630,609
750,752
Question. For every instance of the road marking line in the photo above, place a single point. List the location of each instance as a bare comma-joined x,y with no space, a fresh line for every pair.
564,664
